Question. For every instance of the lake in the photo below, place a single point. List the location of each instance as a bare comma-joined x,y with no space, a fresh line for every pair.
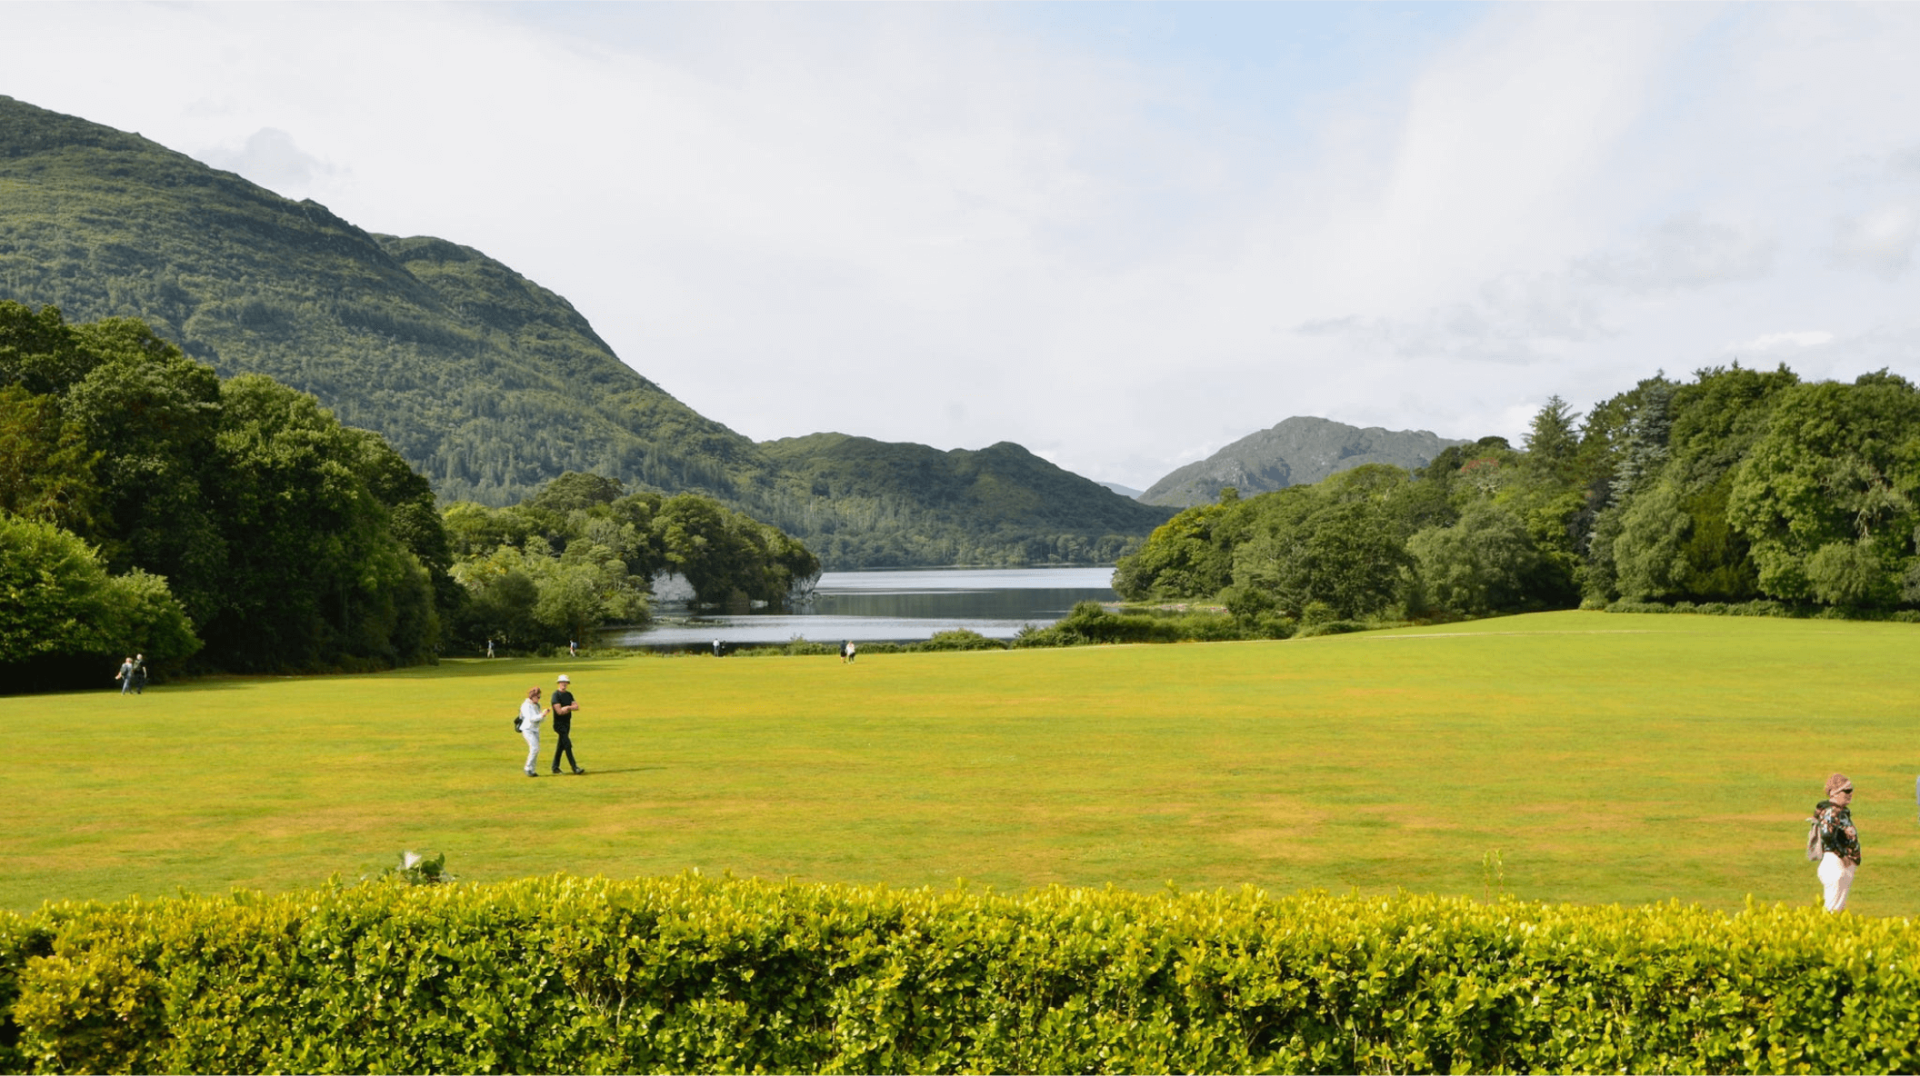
892,606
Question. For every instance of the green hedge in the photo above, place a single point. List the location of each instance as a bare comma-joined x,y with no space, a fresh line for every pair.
693,974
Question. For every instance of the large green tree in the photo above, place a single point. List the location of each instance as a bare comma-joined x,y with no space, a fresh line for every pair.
58,601
1829,497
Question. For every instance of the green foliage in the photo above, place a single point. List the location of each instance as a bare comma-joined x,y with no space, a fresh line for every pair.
416,869
581,553
1829,497
961,639
289,540
1180,558
690,974
57,600
1478,565
46,468
1338,542
1738,484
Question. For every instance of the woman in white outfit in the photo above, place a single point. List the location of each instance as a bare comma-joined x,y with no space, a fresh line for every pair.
530,715
1839,840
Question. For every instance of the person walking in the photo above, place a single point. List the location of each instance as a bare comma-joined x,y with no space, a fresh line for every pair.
573,649
125,675
1839,841
530,715
563,708
489,647
139,674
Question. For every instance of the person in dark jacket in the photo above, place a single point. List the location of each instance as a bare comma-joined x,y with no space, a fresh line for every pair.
1839,839
563,709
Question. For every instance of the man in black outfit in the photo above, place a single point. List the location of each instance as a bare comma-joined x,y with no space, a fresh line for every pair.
563,708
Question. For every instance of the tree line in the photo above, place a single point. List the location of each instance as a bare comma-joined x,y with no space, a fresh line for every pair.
1740,489
148,505
583,552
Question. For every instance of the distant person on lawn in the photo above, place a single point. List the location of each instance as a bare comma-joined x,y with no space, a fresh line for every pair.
1841,841
563,708
139,674
125,675
530,715
846,652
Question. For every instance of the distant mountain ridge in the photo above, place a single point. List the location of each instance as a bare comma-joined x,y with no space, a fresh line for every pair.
1297,451
486,382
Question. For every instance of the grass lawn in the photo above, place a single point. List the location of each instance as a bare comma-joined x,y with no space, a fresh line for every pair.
1605,757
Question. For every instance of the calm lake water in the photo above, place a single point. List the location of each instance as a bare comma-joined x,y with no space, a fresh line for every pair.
895,606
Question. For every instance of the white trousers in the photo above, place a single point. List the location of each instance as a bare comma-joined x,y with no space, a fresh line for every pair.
1836,877
533,748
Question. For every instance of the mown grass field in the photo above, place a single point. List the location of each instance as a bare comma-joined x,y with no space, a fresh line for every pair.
1605,757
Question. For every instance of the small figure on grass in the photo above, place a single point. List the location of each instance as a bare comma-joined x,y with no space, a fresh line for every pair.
563,708
139,674
125,675
1834,842
847,651
529,725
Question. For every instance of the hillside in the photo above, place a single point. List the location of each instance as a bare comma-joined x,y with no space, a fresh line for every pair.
433,345
486,382
1298,451
858,500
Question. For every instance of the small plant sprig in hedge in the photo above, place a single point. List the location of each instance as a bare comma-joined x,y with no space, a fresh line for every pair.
416,869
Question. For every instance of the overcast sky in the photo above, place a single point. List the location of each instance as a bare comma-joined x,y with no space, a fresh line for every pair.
1122,235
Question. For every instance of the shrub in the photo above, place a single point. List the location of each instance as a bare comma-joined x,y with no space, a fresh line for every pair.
961,639
692,974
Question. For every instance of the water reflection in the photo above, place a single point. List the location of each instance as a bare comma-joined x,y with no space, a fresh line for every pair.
896,606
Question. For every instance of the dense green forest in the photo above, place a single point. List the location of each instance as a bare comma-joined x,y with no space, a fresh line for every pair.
148,505
1738,491
484,382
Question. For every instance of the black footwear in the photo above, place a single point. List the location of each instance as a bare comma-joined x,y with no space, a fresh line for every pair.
530,773
578,771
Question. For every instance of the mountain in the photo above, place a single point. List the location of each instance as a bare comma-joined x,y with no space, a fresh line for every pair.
486,382
1298,451
871,501
1124,491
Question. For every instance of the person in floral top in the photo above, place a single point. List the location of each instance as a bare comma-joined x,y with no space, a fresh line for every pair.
1840,840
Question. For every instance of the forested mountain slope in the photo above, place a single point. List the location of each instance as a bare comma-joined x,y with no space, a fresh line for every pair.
1297,452
862,501
487,383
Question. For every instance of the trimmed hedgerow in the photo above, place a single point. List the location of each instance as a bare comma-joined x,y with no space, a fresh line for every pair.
693,974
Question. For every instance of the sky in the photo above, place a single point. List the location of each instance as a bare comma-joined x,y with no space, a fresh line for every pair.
1122,235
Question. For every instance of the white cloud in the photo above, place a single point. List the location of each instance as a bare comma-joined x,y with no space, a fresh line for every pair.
1783,341
1684,251
270,158
1879,242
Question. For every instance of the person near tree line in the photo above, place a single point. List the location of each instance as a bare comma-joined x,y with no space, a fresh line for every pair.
489,647
846,652
563,708
125,675
139,674
530,715
1840,841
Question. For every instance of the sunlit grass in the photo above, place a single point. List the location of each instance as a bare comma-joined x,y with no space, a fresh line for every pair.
1605,757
